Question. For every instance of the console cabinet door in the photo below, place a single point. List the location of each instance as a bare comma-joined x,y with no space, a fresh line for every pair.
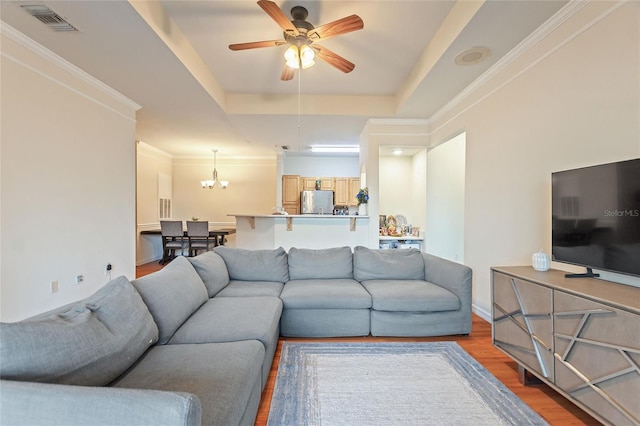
598,357
522,322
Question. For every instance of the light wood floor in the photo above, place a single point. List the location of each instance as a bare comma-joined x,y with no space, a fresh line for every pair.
553,407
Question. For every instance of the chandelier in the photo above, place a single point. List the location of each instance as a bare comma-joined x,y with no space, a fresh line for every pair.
212,183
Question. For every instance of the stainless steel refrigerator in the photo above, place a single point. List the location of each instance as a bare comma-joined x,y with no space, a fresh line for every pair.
316,202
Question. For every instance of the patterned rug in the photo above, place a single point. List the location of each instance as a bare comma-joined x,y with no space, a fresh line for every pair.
390,384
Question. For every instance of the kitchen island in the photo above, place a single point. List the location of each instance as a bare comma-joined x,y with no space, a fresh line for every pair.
260,231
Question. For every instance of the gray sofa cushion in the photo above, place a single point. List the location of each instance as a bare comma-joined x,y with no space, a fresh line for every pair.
321,294
172,295
212,270
403,264
319,264
251,288
222,375
255,265
89,343
229,319
410,296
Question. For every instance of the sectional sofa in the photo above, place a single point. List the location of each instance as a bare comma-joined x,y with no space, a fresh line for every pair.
194,342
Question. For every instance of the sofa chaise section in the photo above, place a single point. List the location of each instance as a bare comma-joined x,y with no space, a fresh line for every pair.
225,377
413,293
208,320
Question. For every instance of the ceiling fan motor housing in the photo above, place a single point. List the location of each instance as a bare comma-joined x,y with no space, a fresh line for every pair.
299,14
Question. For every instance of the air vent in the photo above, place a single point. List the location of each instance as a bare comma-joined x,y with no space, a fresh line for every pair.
48,17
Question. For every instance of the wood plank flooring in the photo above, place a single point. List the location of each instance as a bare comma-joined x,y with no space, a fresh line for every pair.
553,407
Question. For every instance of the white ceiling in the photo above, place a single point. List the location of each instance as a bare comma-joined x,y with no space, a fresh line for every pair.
172,58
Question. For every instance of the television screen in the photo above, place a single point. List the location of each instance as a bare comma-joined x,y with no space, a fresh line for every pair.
596,217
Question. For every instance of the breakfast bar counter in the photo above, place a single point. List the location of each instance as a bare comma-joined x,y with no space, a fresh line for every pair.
262,231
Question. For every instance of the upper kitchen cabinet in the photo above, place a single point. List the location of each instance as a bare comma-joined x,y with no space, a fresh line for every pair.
346,191
326,183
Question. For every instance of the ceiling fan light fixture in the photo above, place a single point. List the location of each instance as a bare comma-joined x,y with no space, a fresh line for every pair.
306,56
297,57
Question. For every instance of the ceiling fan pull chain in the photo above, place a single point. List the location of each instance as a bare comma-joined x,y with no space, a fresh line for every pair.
299,107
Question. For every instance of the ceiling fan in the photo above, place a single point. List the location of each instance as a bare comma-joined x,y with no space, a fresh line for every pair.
301,37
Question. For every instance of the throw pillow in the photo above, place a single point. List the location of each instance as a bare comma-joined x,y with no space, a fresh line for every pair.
89,343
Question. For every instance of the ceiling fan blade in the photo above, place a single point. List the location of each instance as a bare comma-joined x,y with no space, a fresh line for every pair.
278,15
257,44
287,73
333,59
336,28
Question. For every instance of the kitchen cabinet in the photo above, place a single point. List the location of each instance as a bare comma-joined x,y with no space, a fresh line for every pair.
291,194
345,190
354,188
326,183
341,196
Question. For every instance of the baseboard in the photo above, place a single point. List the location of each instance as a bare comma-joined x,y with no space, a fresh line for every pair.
485,315
145,261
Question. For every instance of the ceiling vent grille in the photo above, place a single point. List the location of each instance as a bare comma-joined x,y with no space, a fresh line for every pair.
48,17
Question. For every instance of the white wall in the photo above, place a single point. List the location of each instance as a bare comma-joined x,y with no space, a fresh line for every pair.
67,181
150,163
572,100
395,185
252,189
444,234
402,187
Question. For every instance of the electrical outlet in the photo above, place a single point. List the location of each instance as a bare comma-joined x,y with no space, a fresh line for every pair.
54,286
79,278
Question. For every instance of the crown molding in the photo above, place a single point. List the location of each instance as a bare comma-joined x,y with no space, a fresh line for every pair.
46,54
153,149
564,14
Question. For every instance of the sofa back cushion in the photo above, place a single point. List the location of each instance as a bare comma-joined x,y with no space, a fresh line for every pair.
255,265
87,343
329,263
402,264
212,270
172,294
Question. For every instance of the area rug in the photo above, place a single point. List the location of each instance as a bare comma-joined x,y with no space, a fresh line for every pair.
390,384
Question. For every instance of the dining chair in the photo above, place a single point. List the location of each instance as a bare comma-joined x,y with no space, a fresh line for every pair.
172,239
199,239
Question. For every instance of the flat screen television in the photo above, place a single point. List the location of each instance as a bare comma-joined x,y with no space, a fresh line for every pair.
596,217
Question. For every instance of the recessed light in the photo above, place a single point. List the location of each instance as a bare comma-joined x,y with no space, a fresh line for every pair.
397,152
472,56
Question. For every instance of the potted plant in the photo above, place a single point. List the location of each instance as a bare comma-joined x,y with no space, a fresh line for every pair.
363,199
